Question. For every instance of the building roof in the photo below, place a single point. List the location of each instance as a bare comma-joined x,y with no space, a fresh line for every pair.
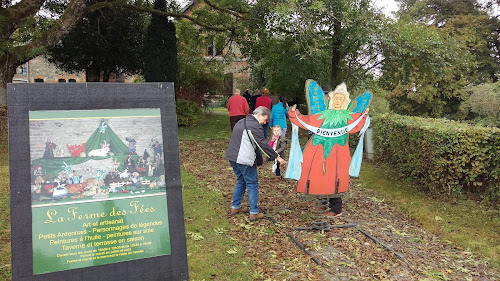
188,6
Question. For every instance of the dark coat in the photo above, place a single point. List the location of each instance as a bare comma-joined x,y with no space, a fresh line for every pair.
241,149
280,146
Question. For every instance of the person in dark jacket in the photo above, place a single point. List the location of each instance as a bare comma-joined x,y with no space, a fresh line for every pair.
253,100
246,141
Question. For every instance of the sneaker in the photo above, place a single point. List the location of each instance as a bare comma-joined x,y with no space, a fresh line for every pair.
332,215
237,211
256,216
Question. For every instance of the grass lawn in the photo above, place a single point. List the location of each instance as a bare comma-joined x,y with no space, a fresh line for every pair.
465,223
212,252
5,269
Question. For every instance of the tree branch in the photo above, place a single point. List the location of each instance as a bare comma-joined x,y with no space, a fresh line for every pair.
75,11
14,14
71,16
228,11
194,20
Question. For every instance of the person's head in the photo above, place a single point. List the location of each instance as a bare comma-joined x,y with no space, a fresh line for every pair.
277,130
265,91
262,113
237,92
283,101
339,98
257,92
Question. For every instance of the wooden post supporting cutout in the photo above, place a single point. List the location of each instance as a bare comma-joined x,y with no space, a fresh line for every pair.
95,182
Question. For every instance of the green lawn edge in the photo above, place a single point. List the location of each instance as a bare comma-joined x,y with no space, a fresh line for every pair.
463,222
212,251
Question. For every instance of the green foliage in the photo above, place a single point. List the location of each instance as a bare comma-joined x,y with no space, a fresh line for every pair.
469,24
328,41
483,104
104,42
188,112
223,101
438,48
423,71
442,155
196,77
160,48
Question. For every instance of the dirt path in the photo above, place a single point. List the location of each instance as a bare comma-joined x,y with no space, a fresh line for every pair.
345,253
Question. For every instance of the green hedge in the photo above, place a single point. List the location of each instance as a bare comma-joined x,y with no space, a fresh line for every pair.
442,155
188,112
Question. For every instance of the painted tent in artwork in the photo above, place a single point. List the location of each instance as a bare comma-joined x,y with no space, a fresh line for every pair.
105,135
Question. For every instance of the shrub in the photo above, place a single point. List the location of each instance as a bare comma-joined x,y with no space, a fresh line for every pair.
444,156
483,104
223,101
188,112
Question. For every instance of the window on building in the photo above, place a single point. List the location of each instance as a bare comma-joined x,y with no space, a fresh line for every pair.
61,80
21,69
210,49
213,49
72,80
38,80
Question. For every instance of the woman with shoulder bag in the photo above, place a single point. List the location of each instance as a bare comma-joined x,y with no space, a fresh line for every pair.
247,142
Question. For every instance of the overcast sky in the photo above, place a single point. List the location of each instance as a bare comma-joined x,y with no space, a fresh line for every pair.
388,6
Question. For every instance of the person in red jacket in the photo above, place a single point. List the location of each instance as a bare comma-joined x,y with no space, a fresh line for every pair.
266,101
237,107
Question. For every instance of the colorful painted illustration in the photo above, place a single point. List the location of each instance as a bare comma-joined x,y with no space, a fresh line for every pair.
326,160
87,158
98,188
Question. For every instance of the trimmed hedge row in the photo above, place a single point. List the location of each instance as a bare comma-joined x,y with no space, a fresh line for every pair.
442,155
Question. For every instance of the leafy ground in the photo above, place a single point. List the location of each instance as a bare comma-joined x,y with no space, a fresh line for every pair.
221,247
345,254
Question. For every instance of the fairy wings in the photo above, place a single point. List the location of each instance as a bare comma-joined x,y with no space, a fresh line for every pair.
317,102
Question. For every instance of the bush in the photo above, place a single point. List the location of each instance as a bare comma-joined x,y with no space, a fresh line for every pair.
483,104
188,112
223,101
444,156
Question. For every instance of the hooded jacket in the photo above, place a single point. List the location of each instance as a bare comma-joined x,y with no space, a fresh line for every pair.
241,149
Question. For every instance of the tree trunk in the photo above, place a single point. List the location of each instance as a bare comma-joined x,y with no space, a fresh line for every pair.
93,74
6,76
336,53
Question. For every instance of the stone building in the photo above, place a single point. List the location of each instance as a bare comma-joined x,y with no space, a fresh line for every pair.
40,70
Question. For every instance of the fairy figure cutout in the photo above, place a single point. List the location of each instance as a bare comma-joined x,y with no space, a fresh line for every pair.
326,159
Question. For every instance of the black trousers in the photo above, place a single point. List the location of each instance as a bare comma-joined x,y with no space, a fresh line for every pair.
336,205
234,119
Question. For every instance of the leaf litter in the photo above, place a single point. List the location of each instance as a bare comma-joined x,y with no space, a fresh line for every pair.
345,253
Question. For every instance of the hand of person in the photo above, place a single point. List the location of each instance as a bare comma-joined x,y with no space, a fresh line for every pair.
281,160
293,107
367,110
